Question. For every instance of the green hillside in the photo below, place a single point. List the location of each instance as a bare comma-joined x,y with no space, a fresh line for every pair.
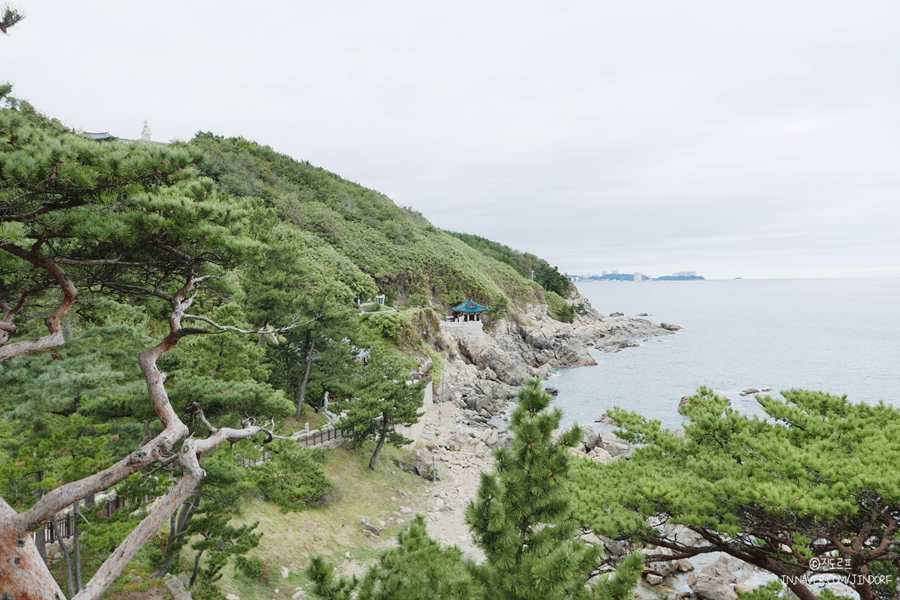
397,249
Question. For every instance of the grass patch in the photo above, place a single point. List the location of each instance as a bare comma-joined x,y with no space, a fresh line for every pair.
333,530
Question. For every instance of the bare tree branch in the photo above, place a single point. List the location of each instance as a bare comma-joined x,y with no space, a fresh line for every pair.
54,319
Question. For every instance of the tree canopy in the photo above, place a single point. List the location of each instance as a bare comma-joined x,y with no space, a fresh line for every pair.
810,487
78,218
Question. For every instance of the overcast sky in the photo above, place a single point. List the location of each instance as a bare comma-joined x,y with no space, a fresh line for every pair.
752,139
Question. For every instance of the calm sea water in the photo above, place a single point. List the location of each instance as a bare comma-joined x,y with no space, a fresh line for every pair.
841,336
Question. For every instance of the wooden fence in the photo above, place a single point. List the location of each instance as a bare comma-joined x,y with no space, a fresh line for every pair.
315,438
65,522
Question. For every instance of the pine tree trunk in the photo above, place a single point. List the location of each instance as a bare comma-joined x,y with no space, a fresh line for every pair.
40,542
40,536
301,385
177,528
24,575
379,446
54,524
76,547
196,568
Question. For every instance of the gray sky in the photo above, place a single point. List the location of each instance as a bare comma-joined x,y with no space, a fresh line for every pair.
753,139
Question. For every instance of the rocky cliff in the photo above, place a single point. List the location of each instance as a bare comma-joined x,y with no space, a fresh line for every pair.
484,368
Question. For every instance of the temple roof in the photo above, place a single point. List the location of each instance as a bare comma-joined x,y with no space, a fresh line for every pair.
470,307
100,136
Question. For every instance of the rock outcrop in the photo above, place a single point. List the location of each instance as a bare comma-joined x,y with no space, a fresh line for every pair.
483,369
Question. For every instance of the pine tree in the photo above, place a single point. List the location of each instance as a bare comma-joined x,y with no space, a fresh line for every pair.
384,398
418,568
812,487
133,221
522,521
521,518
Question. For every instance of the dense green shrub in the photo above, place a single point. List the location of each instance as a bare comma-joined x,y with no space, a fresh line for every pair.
291,478
405,329
253,567
559,309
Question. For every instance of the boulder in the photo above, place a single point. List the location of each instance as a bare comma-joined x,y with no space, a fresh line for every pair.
369,528
415,463
616,446
728,568
177,589
589,439
669,327
685,400
749,391
711,588
653,579
605,420
600,455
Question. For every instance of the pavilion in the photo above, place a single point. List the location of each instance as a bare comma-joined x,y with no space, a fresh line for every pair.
468,311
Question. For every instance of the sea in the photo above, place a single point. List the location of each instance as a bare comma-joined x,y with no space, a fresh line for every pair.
840,336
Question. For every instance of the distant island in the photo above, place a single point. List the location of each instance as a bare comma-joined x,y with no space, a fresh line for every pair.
616,276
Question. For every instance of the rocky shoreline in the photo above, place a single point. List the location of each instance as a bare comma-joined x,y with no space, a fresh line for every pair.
484,369
482,373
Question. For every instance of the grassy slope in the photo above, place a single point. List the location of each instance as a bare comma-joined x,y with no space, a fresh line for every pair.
291,538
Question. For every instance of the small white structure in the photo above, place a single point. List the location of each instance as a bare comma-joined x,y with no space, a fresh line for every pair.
379,299
145,132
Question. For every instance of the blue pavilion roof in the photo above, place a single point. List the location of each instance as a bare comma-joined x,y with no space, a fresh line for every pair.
470,307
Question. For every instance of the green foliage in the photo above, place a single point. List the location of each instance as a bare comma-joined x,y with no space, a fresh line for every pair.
254,568
405,329
383,399
396,248
50,456
418,568
291,478
816,471
769,591
9,16
527,265
521,520
559,309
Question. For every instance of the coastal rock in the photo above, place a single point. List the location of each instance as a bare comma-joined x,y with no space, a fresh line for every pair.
605,420
726,569
600,455
589,439
711,588
749,391
685,400
669,327
482,371
616,446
